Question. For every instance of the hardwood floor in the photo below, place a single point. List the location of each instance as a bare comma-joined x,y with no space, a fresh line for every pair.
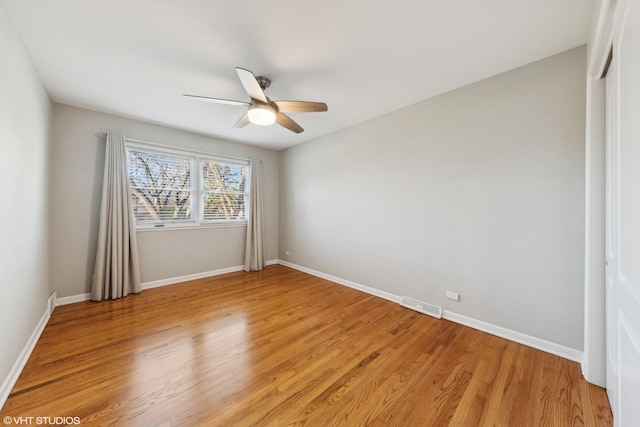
283,348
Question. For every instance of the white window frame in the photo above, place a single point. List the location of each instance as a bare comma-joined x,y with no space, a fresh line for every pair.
197,194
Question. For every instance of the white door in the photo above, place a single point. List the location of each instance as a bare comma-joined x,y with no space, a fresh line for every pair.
612,145
623,218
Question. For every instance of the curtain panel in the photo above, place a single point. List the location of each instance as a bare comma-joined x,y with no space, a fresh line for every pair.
116,272
254,246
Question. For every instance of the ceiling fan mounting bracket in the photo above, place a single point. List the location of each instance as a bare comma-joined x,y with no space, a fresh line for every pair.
264,82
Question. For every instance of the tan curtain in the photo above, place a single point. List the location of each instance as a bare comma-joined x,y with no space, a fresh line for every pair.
254,247
116,273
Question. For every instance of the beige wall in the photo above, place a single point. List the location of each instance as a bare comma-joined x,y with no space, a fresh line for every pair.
76,182
24,213
479,191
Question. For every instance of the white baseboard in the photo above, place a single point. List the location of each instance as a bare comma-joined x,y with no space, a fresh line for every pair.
164,282
19,364
186,278
72,299
499,331
528,340
348,283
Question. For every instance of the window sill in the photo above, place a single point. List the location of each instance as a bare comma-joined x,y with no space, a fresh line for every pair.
145,228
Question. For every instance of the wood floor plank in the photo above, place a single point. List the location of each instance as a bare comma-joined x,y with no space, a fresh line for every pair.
281,347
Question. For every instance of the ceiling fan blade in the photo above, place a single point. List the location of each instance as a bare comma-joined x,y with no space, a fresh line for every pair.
300,106
286,121
251,85
242,121
218,100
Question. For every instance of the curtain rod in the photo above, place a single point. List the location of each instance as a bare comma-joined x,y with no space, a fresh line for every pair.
155,144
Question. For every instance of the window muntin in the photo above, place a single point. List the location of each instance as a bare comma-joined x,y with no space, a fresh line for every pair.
168,189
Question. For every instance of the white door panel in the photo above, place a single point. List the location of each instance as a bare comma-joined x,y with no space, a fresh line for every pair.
612,233
623,218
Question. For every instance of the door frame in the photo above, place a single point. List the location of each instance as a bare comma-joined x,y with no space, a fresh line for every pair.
603,27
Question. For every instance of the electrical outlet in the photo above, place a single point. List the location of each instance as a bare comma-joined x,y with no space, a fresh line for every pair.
286,253
452,295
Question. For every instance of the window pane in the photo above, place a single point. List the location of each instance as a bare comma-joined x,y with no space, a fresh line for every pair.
221,206
221,177
224,189
161,187
161,206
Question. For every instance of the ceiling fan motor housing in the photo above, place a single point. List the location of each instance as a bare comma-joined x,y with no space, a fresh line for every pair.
264,82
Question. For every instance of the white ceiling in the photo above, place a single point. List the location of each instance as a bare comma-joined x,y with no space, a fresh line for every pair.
364,58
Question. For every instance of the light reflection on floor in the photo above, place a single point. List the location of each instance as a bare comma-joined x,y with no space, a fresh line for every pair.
180,370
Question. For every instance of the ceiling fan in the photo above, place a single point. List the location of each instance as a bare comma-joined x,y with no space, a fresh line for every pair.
261,110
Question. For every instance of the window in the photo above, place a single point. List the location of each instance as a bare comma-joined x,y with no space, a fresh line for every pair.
180,188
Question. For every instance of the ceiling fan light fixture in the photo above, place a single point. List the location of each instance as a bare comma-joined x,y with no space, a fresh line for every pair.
262,114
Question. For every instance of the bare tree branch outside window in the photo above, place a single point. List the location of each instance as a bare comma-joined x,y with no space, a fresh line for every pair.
223,191
160,187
